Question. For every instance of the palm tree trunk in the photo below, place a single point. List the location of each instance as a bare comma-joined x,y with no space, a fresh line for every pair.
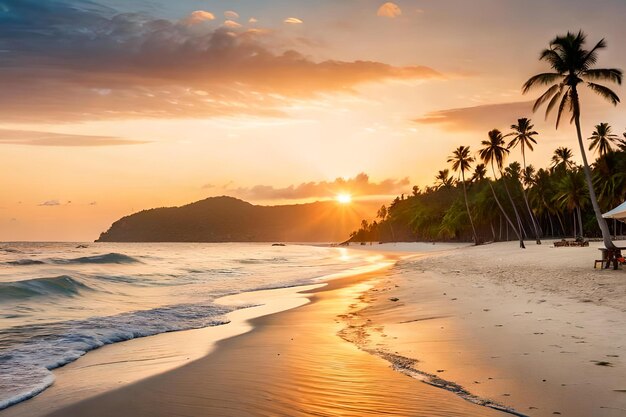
519,221
604,228
468,209
558,216
506,216
580,222
530,212
551,225
532,217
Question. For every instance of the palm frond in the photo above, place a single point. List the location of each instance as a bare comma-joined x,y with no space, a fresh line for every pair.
592,56
553,102
605,74
605,93
541,79
545,96
564,102
553,58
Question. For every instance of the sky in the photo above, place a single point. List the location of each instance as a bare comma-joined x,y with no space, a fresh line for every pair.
108,107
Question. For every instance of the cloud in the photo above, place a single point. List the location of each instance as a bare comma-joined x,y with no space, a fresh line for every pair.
293,20
27,137
50,203
360,185
390,10
231,15
199,16
478,118
232,24
253,20
68,63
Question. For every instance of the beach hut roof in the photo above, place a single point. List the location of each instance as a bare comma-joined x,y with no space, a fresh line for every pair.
618,213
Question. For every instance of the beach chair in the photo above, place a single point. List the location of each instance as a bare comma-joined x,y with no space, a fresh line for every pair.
610,256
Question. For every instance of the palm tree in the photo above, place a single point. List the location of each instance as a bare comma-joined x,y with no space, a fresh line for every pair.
562,159
443,179
573,195
461,161
602,138
523,137
480,173
494,153
572,65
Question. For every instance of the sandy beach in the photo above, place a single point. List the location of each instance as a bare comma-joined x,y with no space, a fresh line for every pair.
448,332
538,330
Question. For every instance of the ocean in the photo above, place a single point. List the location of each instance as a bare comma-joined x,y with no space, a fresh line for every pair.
58,301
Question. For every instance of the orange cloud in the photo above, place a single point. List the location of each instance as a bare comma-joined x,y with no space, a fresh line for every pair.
390,10
360,185
232,24
198,16
231,15
478,118
160,68
25,137
293,20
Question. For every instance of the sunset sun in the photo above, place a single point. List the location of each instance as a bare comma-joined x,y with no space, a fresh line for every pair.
344,198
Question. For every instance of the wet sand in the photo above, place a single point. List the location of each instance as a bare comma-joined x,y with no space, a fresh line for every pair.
292,363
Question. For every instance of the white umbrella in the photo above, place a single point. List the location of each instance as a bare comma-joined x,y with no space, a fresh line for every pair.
618,213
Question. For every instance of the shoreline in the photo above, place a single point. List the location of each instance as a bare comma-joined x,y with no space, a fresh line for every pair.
329,300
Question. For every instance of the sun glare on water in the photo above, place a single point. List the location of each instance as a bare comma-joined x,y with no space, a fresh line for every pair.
344,198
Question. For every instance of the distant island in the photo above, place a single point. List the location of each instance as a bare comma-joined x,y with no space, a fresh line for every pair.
228,219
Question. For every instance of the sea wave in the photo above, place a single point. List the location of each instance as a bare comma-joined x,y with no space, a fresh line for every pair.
63,285
109,258
25,367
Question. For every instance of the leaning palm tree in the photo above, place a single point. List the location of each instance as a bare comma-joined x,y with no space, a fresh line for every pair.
461,161
523,136
562,159
572,65
602,138
493,153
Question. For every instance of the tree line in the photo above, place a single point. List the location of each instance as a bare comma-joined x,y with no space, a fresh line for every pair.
483,198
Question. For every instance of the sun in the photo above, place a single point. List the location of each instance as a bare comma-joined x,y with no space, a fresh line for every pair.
344,198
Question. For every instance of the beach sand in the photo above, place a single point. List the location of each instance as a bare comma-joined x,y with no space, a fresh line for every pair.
539,331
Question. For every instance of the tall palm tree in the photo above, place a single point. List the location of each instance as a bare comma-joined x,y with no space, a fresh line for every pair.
602,138
562,159
443,179
493,153
461,161
572,65
523,136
